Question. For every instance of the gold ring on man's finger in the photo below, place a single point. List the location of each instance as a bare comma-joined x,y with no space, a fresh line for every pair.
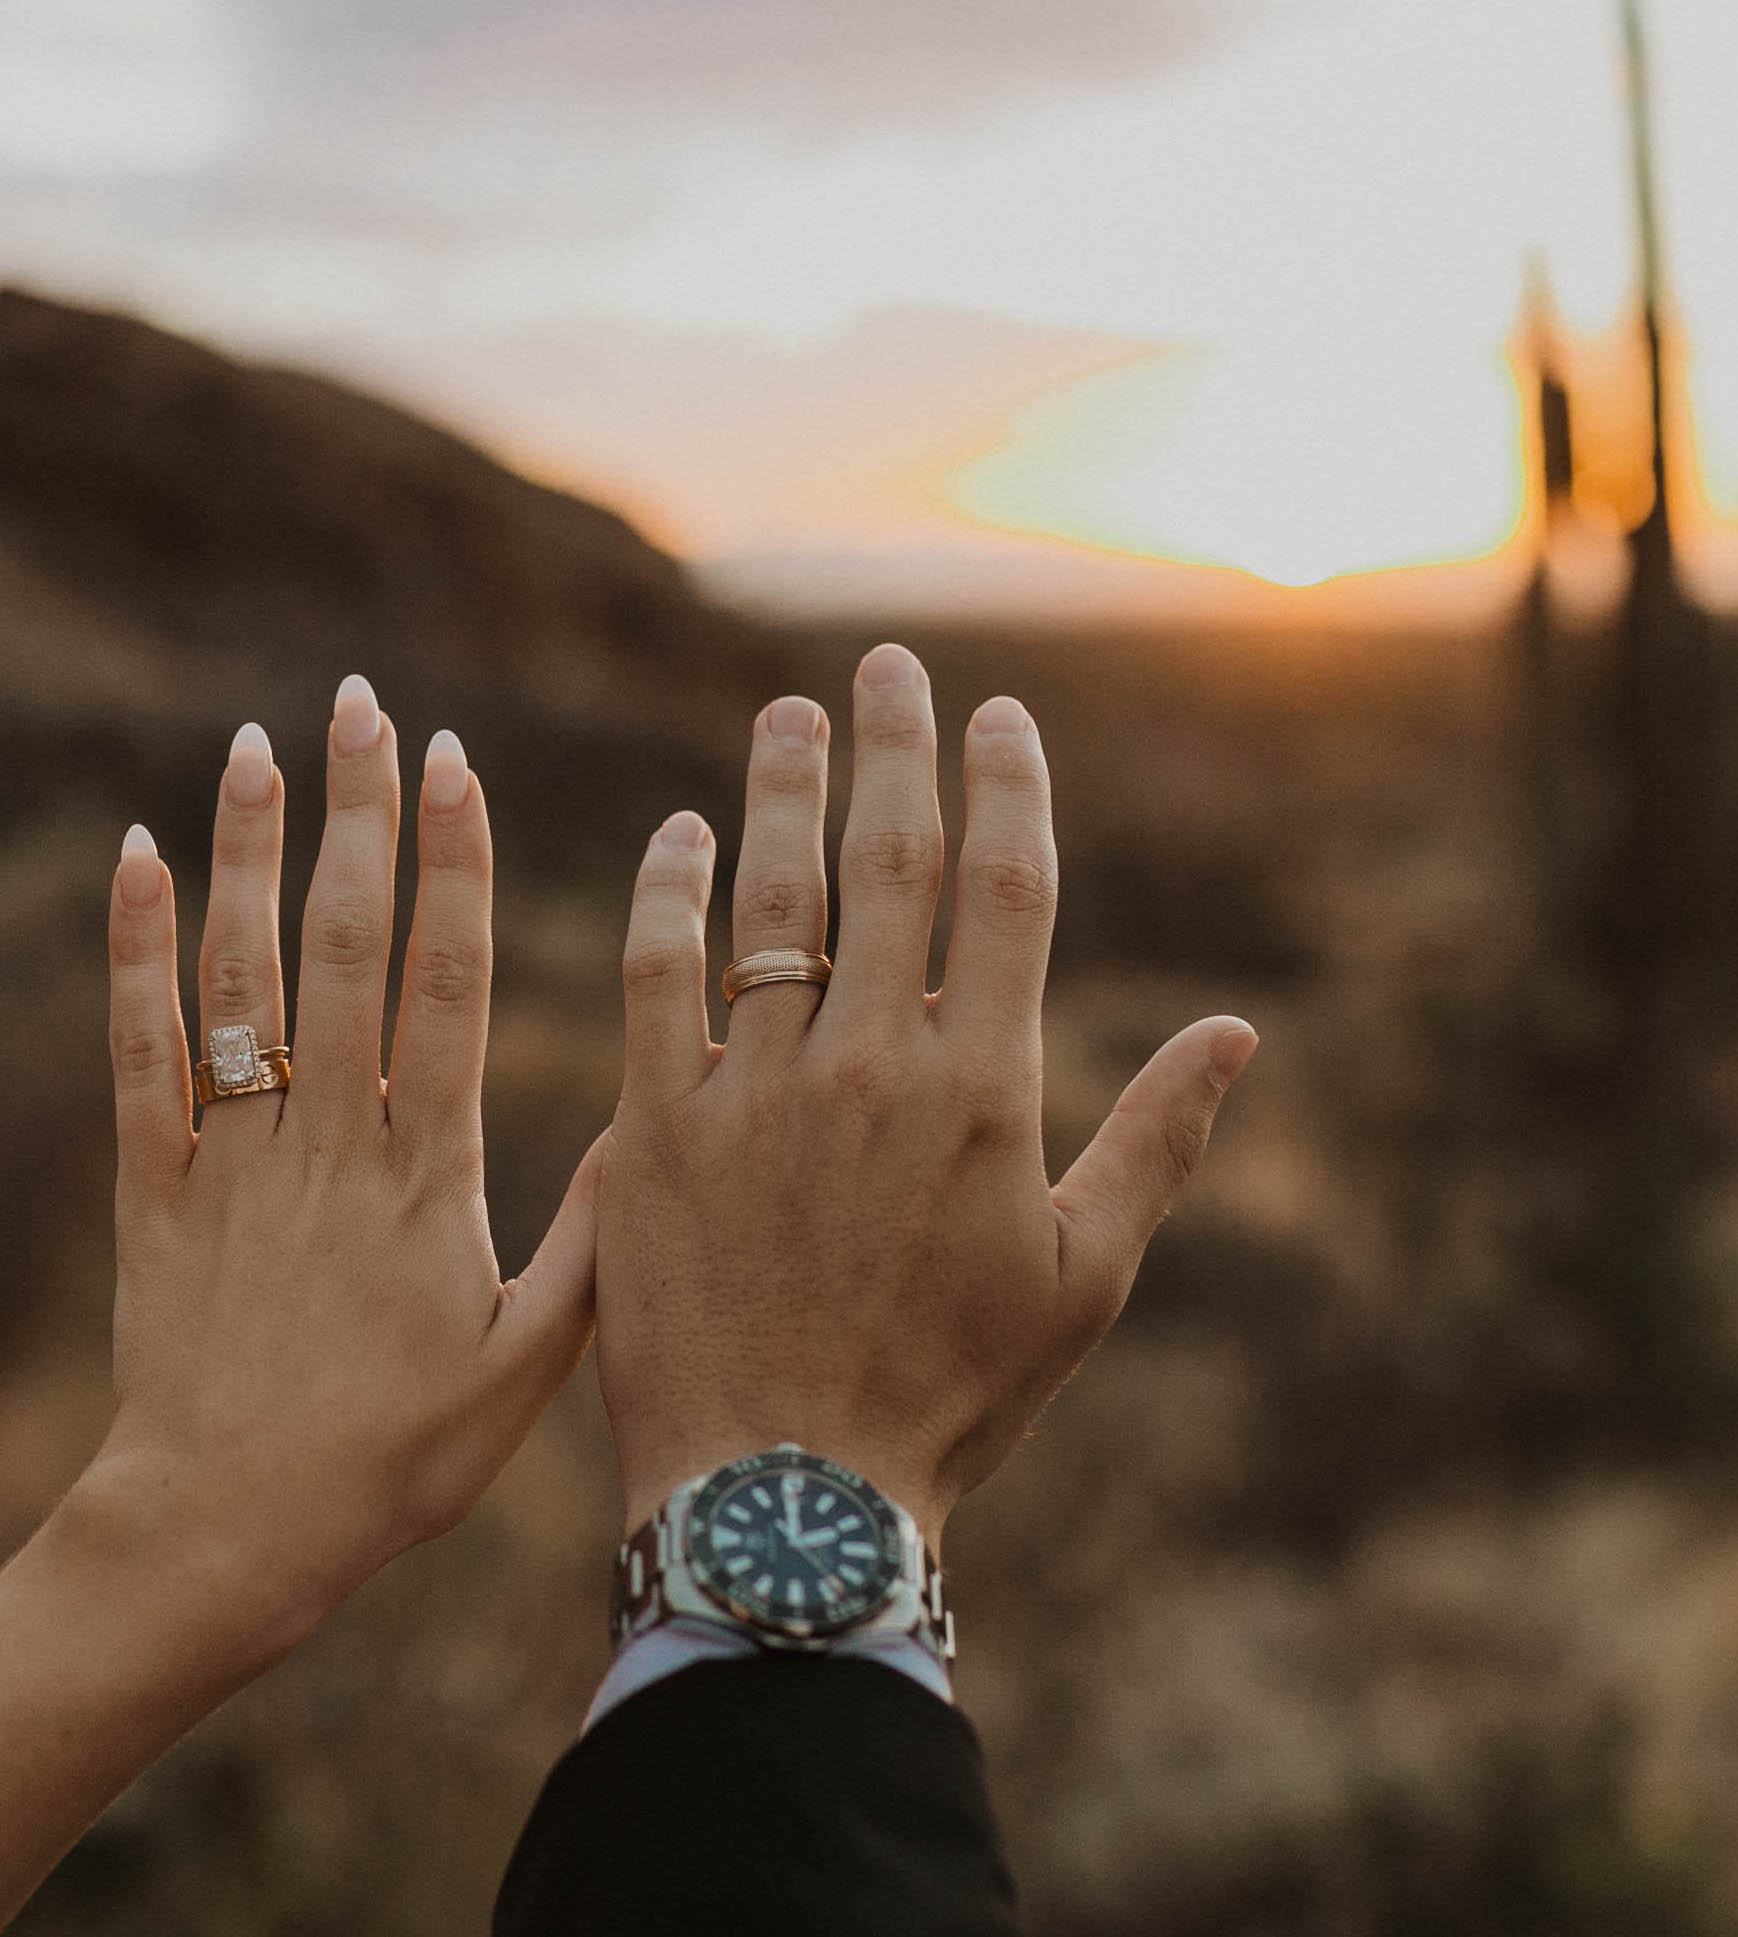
775,965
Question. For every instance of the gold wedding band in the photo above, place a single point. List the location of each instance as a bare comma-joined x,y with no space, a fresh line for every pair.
775,965
235,1064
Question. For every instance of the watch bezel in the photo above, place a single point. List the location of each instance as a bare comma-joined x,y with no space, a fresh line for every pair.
769,1621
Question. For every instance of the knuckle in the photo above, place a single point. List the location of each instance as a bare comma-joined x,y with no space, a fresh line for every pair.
905,860
140,1054
135,945
235,842
790,774
1184,1142
774,903
650,966
456,845
983,1091
665,877
1011,761
861,1078
236,977
449,971
893,729
1014,885
344,935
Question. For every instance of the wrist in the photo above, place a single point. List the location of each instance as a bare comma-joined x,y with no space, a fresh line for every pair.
649,1485
126,1618
222,1587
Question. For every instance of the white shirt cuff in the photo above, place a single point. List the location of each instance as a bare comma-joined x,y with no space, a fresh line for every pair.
678,1644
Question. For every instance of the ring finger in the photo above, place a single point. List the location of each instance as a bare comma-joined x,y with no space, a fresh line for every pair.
781,876
240,977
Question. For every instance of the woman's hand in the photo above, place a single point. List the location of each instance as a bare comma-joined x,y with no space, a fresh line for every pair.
314,1351
838,1228
316,1361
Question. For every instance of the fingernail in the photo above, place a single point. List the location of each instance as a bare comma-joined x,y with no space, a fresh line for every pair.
797,722
141,873
248,777
1231,1053
685,829
446,778
890,665
1001,715
355,715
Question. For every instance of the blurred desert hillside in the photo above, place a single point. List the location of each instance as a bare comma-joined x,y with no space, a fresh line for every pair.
1379,1573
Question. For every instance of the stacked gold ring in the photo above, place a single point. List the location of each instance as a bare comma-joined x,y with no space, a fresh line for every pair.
775,965
235,1065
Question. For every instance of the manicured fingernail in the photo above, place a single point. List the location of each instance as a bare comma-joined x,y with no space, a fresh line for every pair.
1231,1052
890,665
446,778
248,777
1002,715
795,721
355,715
141,873
683,830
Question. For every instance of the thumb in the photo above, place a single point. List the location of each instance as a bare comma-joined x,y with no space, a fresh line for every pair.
1114,1195
558,1287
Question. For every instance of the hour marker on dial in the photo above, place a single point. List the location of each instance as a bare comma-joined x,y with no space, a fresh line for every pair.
737,1564
738,1511
850,1520
852,1574
762,1497
794,1593
764,1584
857,1549
726,1537
828,1591
826,1502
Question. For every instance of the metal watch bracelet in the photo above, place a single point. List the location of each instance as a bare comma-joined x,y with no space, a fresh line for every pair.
655,1581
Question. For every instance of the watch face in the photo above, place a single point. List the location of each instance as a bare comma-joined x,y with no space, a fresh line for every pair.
793,1543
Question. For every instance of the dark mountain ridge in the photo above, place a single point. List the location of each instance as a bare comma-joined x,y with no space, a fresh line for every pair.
185,535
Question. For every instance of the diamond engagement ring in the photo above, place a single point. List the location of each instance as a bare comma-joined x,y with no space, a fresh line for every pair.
235,1064
775,965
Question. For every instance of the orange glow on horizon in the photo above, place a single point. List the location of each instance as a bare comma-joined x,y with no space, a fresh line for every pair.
1296,464
1147,462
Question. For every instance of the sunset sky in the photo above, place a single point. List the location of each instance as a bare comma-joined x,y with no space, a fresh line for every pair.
968,305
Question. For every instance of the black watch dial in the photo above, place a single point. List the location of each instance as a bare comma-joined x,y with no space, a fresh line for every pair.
793,1543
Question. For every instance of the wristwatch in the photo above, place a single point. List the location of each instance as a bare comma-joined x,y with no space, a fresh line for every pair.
787,1547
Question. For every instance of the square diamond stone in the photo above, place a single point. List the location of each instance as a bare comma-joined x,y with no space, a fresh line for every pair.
234,1055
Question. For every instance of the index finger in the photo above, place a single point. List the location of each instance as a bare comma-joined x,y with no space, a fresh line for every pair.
147,1042
347,924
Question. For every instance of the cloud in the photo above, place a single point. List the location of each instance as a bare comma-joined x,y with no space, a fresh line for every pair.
816,69
95,87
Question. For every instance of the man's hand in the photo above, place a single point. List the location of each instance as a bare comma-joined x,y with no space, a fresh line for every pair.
837,1229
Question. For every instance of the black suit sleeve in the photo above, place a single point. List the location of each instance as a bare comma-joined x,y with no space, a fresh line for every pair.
783,1795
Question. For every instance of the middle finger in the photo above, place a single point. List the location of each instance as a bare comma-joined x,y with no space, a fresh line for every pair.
240,977
891,856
